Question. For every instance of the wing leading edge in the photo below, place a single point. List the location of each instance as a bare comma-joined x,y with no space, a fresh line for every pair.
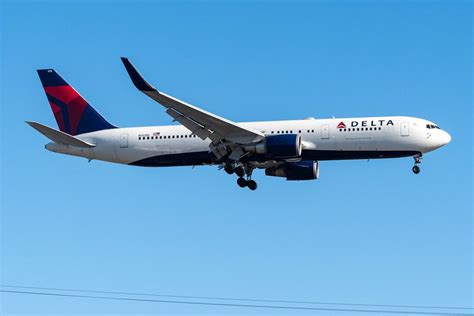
200,122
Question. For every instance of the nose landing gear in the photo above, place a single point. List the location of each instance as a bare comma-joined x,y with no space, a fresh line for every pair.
416,169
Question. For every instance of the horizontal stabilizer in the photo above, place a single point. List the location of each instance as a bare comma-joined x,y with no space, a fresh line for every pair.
58,136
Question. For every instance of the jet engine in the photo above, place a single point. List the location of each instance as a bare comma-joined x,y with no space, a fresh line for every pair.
301,170
278,146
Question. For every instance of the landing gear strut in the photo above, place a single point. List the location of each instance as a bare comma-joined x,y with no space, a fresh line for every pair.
416,169
239,171
244,173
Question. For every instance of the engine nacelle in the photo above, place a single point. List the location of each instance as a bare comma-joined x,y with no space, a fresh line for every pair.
302,170
281,146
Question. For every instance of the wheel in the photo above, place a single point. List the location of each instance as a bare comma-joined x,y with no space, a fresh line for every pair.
239,171
242,182
229,169
416,169
252,185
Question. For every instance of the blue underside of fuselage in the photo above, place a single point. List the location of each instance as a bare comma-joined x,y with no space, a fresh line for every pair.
207,158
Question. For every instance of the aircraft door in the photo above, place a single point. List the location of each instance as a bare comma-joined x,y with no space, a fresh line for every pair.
404,129
325,131
124,140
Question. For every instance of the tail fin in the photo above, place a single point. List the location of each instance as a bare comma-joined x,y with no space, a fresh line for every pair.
73,114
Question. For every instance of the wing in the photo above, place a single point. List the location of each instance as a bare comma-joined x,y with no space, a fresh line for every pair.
200,122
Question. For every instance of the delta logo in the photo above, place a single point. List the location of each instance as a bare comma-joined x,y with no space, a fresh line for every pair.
341,125
373,123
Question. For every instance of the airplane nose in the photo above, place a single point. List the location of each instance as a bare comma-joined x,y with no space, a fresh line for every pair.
446,138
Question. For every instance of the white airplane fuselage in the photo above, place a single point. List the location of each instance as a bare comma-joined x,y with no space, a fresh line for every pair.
322,139
289,149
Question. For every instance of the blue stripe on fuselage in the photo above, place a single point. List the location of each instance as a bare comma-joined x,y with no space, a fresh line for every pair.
207,158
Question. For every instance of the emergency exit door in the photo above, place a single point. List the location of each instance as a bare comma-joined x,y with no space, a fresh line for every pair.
404,129
325,131
124,140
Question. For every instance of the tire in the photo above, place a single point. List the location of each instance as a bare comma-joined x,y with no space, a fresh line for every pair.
416,169
229,169
239,171
252,185
241,182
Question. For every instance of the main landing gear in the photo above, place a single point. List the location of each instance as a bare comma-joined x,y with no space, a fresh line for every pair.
244,172
416,169
252,185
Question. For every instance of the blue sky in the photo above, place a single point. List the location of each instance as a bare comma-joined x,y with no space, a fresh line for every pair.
365,232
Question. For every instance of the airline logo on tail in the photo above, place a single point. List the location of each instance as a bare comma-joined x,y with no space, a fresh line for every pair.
73,114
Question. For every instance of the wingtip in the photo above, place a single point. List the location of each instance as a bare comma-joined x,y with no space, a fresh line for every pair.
137,79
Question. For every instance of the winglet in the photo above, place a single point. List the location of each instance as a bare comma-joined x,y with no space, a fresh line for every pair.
136,77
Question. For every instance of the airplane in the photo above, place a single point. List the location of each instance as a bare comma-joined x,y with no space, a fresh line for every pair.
290,149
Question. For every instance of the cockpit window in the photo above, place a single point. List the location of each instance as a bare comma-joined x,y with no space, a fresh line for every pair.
431,126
